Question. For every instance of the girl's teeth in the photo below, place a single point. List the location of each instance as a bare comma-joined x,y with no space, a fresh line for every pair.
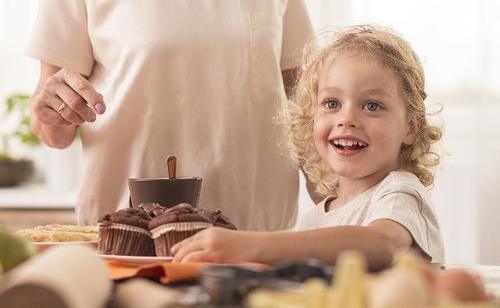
348,143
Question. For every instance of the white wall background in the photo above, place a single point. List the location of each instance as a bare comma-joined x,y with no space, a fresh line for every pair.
459,43
59,168
17,73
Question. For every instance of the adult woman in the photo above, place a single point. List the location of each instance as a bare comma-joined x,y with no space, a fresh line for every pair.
198,79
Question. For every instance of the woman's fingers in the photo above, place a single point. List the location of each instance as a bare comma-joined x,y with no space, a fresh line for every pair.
63,110
83,88
75,107
48,116
67,98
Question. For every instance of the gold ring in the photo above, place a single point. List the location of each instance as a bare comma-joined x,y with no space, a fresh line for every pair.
60,108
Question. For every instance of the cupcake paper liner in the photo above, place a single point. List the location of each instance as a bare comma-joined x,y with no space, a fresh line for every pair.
119,239
179,226
166,236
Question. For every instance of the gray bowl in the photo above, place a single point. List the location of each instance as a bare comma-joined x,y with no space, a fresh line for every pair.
165,191
13,172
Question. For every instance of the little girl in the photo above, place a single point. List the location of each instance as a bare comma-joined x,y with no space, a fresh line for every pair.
358,128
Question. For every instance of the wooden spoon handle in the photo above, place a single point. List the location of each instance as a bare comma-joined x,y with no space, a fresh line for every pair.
171,165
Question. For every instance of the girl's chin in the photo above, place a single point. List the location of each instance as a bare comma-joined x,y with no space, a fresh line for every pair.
350,170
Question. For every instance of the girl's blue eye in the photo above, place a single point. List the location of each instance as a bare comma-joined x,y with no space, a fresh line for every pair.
331,103
373,106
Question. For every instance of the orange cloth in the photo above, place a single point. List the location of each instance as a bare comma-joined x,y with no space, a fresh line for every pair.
167,271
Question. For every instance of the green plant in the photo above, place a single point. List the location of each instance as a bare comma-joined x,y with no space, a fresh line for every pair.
17,117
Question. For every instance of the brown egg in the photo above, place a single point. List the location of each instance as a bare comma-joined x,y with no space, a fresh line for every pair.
459,284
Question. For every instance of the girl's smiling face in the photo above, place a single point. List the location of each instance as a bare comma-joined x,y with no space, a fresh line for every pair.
360,122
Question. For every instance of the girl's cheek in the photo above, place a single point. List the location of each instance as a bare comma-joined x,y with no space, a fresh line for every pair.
321,131
322,126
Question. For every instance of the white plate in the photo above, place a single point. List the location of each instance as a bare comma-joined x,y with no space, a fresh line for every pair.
135,259
44,245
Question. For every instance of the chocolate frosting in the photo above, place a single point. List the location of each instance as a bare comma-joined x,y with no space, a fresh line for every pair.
153,209
130,216
216,218
182,212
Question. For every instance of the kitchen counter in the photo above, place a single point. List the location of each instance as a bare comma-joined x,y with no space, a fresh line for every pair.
36,196
32,204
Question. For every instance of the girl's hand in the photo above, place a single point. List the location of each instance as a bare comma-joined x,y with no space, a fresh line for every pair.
217,245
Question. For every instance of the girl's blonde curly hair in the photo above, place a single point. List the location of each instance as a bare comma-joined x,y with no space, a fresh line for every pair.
394,52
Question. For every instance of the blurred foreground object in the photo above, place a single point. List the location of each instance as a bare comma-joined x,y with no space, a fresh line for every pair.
411,282
14,250
62,277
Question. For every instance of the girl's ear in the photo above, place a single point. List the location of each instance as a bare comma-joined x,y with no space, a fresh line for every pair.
411,132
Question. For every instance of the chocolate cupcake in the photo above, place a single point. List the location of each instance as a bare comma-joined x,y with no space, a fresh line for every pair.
174,225
216,218
126,232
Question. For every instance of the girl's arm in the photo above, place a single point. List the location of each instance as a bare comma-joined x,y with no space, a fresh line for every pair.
377,242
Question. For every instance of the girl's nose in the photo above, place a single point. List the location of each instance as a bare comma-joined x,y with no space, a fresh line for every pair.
348,117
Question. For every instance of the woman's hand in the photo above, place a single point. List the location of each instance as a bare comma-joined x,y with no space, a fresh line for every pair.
62,100
67,98
217,245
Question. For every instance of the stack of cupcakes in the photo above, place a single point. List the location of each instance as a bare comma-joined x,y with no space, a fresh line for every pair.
153,229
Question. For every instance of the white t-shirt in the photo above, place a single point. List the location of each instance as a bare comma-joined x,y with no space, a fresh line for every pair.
200,80
400,197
